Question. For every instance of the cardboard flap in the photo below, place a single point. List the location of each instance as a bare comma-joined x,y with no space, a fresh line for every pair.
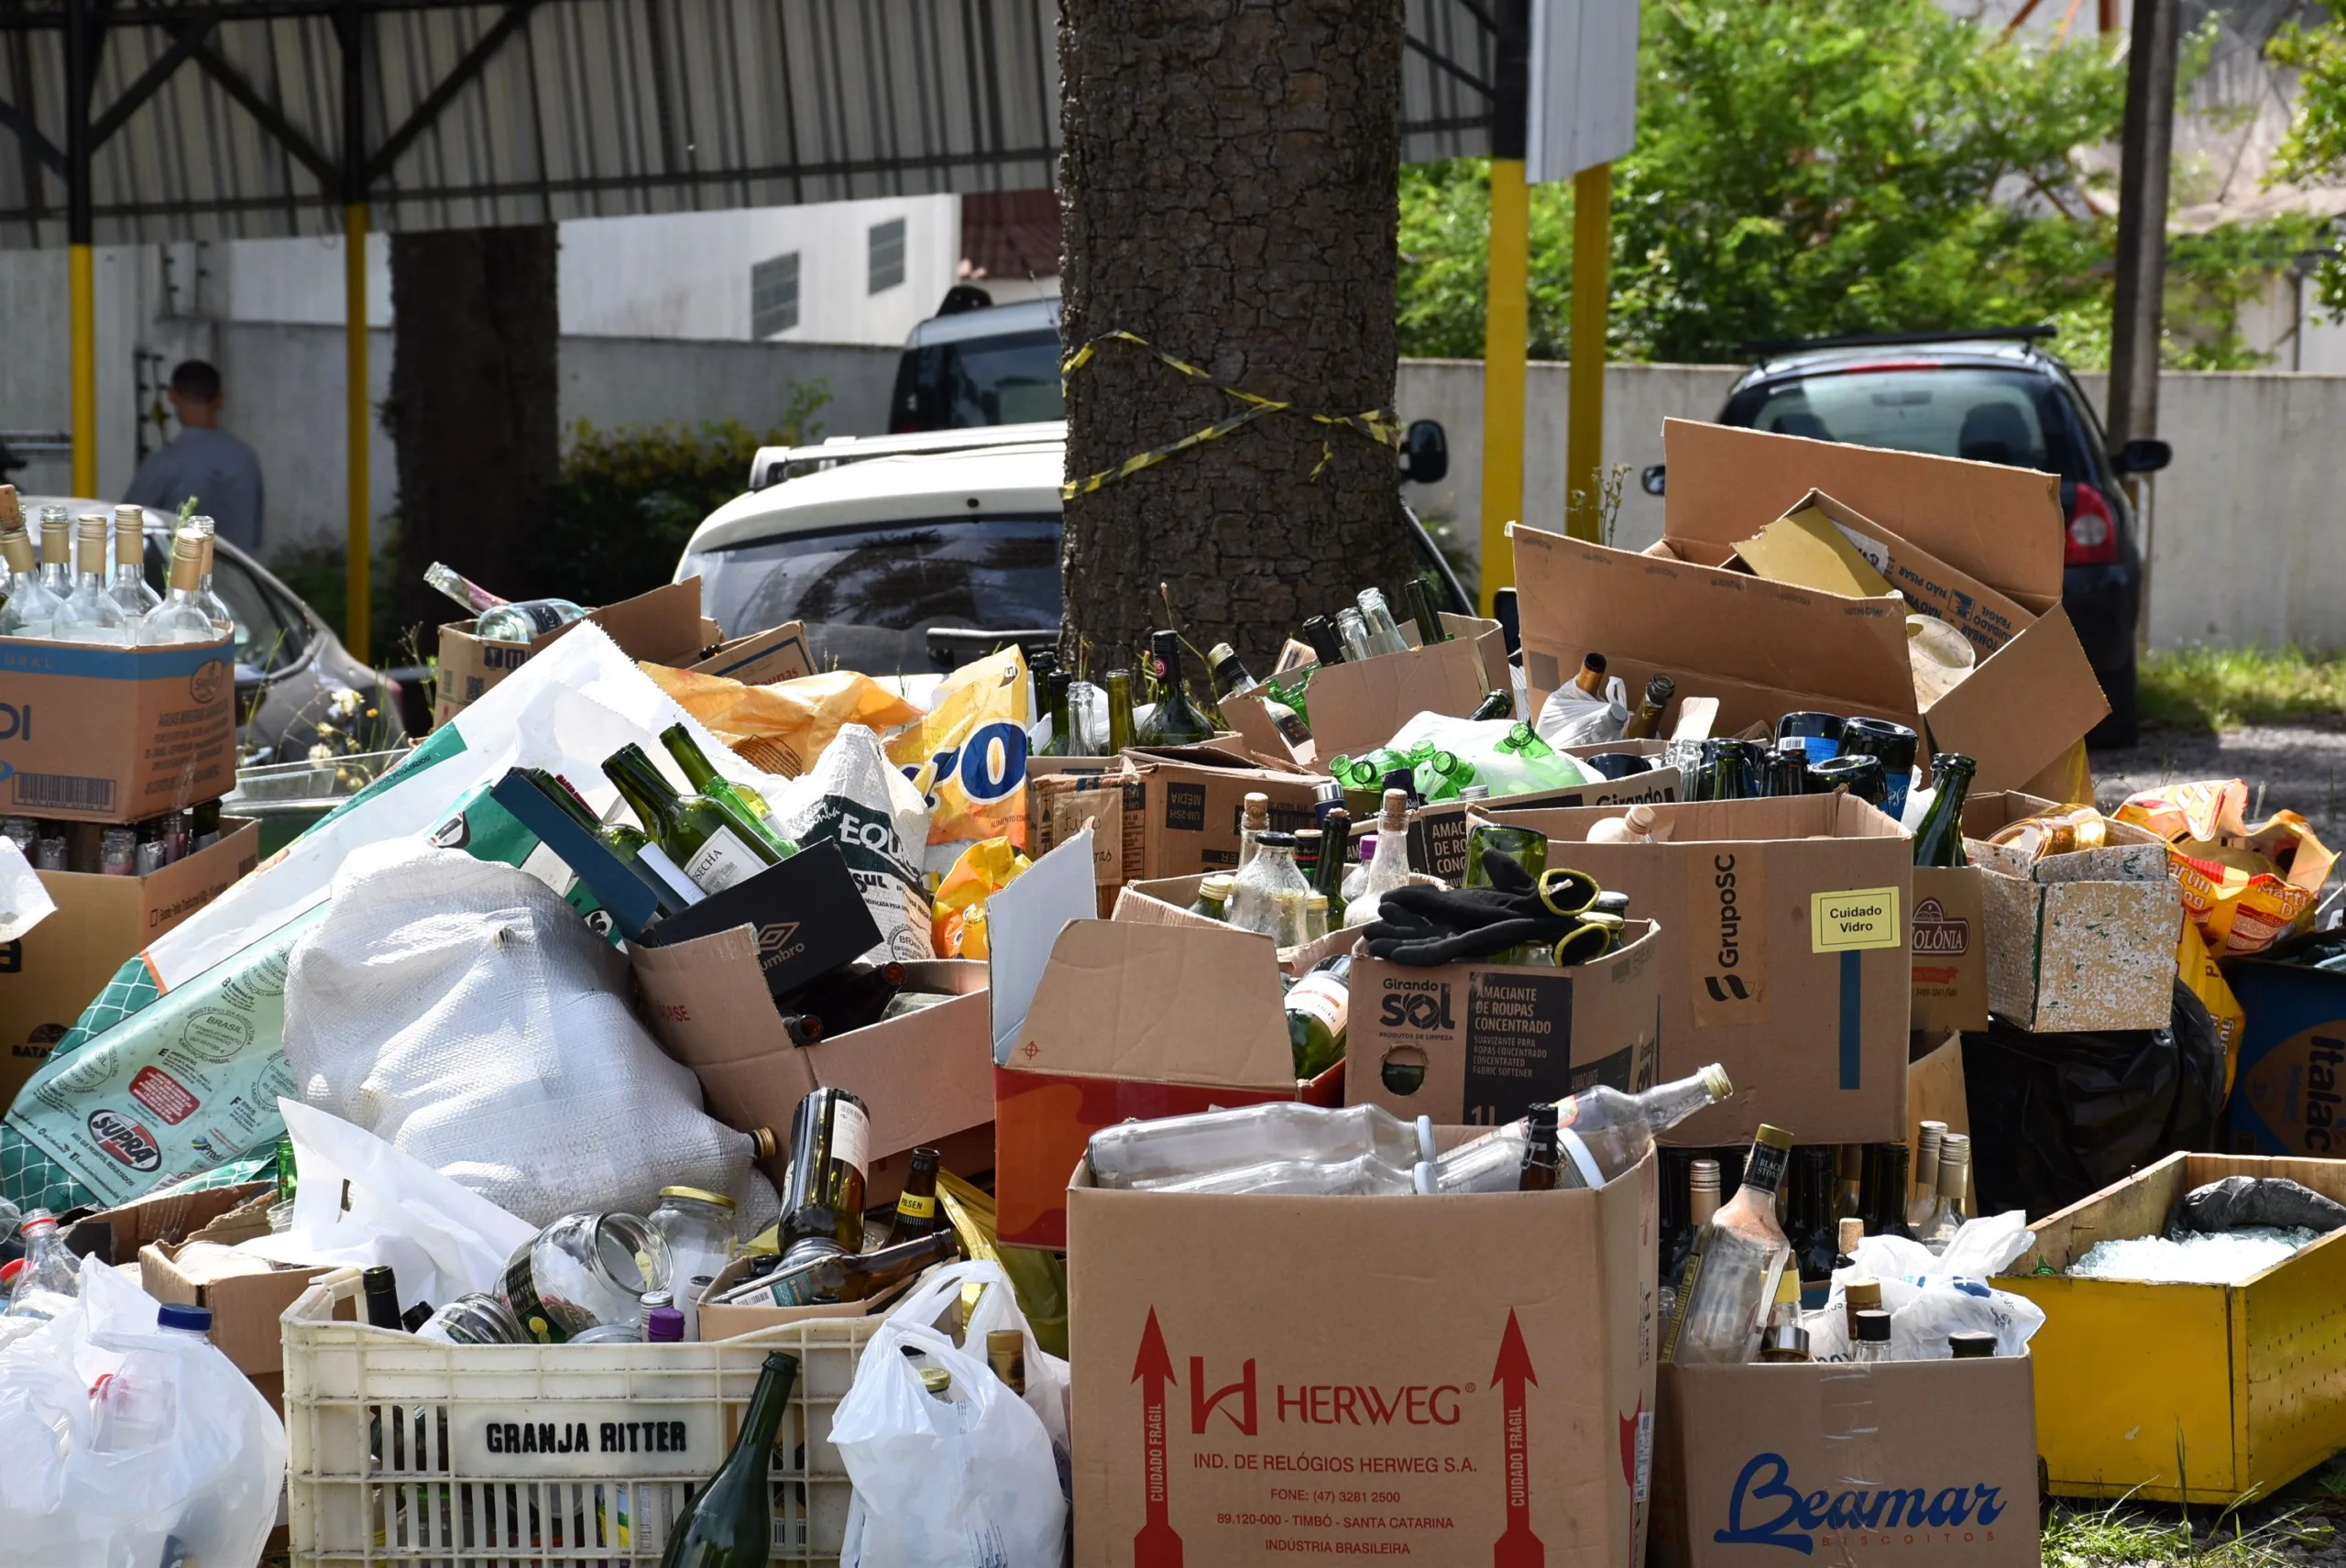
1160,1002
1710,627
1358,705
2023,707
2003,525
710,999
1023,923
662,626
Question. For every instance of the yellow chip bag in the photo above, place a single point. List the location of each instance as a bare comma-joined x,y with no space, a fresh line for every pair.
2245,887
782,728
968,756
2205,980
958,911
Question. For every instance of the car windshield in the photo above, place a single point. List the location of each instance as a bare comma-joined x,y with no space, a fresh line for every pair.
869,595
1010,380
1986,415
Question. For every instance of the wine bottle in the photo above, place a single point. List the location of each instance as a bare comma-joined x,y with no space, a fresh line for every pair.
705,839
730,1523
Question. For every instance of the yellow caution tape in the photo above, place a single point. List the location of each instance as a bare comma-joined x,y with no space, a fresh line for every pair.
1380,425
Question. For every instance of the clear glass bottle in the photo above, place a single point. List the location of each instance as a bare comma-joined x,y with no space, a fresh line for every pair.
1384,636
51,1277
1271,896
129,586
1362,1174
699,1231
51,851
1601,1127
90,614
1315,917
582,1271
1731,1278
477,1319
31,606
1955,1174
500,620
1254,821
1141,1155
138,1404
1926,1196
1872,1341
224,619
1390,866
181,617
1087,720
19,831
57,552
1351,630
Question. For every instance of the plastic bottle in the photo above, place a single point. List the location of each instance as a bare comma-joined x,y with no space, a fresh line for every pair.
138,1404
1601,1128
1135,1154
50,1271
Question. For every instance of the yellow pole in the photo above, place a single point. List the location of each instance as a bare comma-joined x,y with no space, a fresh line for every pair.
354,289
1592,284
1507,327
83,309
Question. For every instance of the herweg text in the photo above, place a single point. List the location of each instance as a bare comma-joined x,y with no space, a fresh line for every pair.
1323,1404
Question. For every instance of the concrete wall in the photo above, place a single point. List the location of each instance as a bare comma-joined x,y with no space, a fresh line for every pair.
2245,542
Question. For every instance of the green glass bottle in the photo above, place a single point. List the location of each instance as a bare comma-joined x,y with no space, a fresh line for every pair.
1444,775
749,810
1524,741
730,1524
1499,704
1175,720
1316,1009
1062,740
1938,838
1430,628
1120,711
693,831
626,843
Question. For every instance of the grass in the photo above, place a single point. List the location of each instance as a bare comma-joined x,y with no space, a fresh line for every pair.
2124,1535
2223,689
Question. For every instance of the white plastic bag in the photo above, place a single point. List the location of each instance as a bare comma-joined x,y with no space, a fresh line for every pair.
1477,740
211,1486
964,1482
1571,717
997,1309
462,1012
1930,1298
855,796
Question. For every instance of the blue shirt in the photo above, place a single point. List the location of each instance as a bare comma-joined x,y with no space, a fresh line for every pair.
221,472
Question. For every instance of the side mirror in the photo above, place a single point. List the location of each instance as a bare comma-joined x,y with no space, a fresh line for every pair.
2143,455
1425,452
1650,480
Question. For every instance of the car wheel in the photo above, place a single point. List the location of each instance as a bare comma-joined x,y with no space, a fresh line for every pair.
2118,728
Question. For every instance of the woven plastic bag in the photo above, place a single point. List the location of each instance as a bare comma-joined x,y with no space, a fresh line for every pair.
464,1013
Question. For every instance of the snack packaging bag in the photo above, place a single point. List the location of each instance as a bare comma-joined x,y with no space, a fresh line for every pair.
968,756
2245,887
782,728
960,911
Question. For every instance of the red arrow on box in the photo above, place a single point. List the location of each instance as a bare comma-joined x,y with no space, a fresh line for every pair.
1156,1546
1519,1548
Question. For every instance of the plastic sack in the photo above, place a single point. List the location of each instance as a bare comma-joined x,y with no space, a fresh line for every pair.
2057,1117
782,728
205,1493
958,911
24,902
2238,1200
856,798
2245,887
968,756
997,1307
441,1240
460,1011
1571,717
1477,740
964,1482
2200,974
1931,1297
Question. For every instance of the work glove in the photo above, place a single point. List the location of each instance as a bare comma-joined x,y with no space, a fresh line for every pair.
1564,909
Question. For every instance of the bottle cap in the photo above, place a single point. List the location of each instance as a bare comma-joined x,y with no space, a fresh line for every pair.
1853,1230
1316,901
195,1320
1703,1173
1862,1294
1221,652
767,1145
1217,885
1258,805
1975,1344
1005,1341
1773,1136
1277,841
1785,1341
1543,1118
664,1325
937,1380
1873,1326
652,1298
699,1193
1715,1084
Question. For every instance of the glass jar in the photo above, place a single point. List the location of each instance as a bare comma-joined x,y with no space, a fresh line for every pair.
699,1229
475,1318
1269,897
119,851
583,1270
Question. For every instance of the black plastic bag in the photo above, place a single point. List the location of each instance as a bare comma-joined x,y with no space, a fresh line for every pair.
2057,1117
2238,1200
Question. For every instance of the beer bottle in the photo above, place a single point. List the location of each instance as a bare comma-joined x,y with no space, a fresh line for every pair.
1120,711
917,1214
1321,632
1175,720
1006,1358
707,841
1646,722
1542,1153
1429,628
748,808
730,1523
835,1276
1590,675
1335,860
1938,838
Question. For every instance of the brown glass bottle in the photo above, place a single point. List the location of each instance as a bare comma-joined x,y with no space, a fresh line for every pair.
917,1213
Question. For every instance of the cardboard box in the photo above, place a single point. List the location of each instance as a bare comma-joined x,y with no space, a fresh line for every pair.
1856,1464
2078,942
718,1321
245,1307
57,969
122,733
116,1235
1783,956
1947,936
664,626
1765,648
2290,1095
1175,811
1457,1379
1357,706
1132,1021
1482,1043
762,658
1438,832
922,1076
2211,1394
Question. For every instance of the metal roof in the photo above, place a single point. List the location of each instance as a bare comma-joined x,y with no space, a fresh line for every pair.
223,118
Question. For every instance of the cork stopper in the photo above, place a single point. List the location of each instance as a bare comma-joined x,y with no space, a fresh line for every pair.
1397,811
1853,1230
12,513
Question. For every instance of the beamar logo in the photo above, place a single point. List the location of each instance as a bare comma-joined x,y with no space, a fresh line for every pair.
1765,1480
1938,933
1324,1404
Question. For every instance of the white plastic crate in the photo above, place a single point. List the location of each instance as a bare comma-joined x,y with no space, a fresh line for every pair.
410,1452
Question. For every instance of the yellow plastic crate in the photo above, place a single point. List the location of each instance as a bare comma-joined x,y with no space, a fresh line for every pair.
2186,1393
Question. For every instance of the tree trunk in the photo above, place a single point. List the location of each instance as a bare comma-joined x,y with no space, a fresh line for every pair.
473,408
1229,194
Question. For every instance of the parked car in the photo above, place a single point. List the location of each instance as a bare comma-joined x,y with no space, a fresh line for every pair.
1993,397
911,554
976,363
297,686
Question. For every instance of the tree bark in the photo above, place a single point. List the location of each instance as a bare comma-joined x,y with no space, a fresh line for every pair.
1229,194
473,408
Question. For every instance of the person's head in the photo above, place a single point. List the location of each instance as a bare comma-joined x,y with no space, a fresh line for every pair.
195,396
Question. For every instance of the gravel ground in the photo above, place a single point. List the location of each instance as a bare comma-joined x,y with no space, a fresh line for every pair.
2301,766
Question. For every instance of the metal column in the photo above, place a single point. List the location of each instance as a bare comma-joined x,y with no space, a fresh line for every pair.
1506,310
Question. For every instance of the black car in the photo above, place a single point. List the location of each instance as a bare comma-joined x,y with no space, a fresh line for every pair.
1992,397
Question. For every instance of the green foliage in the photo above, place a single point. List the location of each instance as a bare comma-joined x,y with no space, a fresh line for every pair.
2315,150
2128,1534
1814,167
320,575
2223,689
629,498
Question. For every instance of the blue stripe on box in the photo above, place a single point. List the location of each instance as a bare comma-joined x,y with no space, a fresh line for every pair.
1852,1013
33,656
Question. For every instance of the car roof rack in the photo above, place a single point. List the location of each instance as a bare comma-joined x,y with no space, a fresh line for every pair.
1769,348
773,464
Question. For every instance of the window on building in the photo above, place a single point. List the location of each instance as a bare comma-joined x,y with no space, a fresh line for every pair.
887,255
774,296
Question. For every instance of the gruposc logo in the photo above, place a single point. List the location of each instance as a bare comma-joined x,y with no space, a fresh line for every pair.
1768,1508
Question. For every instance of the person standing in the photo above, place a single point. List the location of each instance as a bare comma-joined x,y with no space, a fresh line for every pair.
221,472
